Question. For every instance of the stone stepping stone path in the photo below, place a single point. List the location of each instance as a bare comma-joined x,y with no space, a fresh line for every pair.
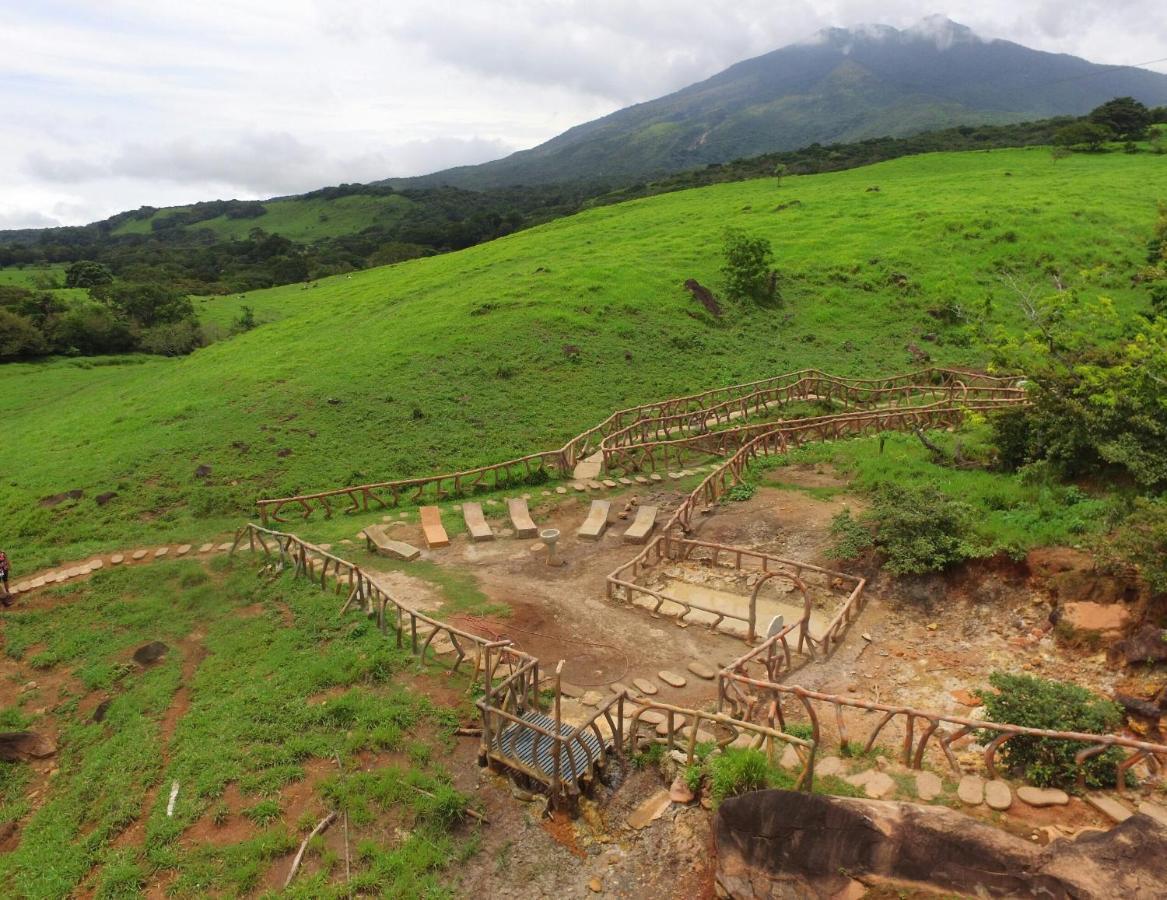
1154,810
703,736
627,482
161,552
578,486
1040,797
206,548
561,490
609,483
789,758
640,479
570,690
652,717
592,698
876,785
672,679
594,486
830,765
619,688
645,686
998,795
928,786
662,728
225,546
676,476
971,790
138,554
655,476
183,550
703,670
1109,807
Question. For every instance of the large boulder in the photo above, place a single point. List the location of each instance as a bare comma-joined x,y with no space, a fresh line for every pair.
792,846
21,746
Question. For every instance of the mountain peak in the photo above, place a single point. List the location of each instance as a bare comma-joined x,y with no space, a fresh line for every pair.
935,29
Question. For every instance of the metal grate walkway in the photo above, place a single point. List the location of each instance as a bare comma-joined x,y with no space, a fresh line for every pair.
575,760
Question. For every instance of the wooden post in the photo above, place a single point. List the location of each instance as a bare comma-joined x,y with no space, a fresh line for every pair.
557,746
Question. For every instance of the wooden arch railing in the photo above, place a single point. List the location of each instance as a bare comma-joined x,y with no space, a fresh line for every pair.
751,698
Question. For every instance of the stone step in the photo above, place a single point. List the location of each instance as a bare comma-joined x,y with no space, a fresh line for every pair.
971,790
672,678
1154,810
645,686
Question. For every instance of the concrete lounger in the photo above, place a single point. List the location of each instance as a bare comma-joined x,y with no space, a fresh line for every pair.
431,526
521,518
379,542
641,526
597,520
476,522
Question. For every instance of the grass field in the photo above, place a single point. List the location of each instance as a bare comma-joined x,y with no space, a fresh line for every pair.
242,698
457,360
296,219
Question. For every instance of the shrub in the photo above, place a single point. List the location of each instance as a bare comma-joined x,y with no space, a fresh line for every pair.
1057,706
735,772
172,338
19,337
1141,541
747,267
741,492
917,528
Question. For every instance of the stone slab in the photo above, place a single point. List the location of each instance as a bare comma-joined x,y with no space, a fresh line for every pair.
570,690
789,758
1109,807
672,678
648,811
640,479
662,728
561,490
971,790
96,564
206,548
829,765
998,795
645,686
594,486
139,554
653,717
655,476
702,670
876,785
592,698
928,786
1034,796
224,547
620,688
627,482
161,552
183,550
703,736
1154,810
117,559
609,483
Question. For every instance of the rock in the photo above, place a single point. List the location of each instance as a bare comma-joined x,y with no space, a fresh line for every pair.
1039,797
149,653
1105,619
703,736
829,765
102,499
183,550
1154,810
101,709
875,784
662,728
521,795
679,791
596,886
645,686
971,790
139,554
21,746
703,670
617,687
207,548
651,809
966,698
1147,645
671,678
928,786
998,795
561,490
161,552
570,690
789,758
789,844
592,698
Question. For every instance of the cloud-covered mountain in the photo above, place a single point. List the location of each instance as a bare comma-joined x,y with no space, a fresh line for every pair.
840,85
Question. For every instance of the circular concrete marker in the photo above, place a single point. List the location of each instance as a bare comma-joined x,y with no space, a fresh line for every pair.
138,554
703,670
672,678
1042,796
971,790
183,549
117,559
928,786
161,552
998,795
644,686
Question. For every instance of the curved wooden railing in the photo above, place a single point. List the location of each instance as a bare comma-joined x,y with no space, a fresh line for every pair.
764,700
560,462
764,737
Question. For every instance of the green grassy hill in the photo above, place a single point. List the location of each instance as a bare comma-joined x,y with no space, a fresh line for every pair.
459,359
296,218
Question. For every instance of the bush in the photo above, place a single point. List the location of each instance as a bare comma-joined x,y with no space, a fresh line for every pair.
19,337
92,330
741,492
1141,541
172,339
87,274
746,268
735,772
917,528
1056,706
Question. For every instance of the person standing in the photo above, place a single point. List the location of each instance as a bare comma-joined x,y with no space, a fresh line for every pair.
5,597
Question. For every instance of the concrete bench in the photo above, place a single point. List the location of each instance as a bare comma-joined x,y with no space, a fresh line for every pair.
476,522
378,541
431,527
641,526
521,518
597,520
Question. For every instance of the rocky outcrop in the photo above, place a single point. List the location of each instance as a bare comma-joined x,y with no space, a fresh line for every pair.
21,746
793,846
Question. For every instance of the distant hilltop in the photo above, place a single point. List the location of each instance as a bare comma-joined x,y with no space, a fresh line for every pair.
838,85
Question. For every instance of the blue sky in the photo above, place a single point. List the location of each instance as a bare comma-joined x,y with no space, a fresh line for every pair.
108,106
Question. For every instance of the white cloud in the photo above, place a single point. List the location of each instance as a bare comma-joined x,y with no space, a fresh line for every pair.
158,102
